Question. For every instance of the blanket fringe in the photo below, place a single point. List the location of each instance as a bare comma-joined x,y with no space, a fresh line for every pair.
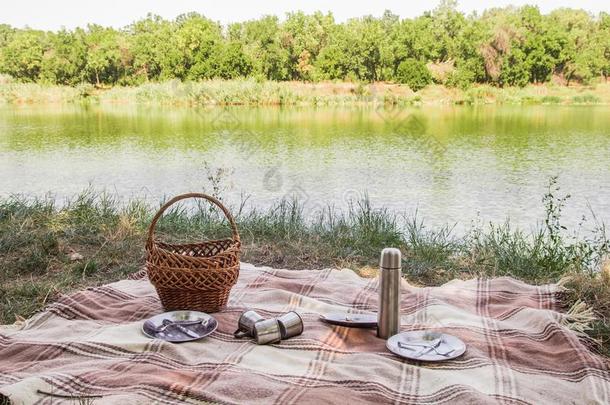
561,284
578,318
138,275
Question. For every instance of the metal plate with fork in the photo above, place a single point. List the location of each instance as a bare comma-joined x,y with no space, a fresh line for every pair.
424,345
179,326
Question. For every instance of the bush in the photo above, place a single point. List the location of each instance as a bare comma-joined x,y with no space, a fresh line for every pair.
85,90
586,99
551,100
414,74
460,78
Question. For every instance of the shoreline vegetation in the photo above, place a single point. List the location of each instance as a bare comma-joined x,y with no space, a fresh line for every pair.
510,55
248,92
48,250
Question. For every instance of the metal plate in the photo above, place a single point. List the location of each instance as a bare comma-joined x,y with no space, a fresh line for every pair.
351,320
173,334
451,345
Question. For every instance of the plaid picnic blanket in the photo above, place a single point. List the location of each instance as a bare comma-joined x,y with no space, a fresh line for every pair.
88,348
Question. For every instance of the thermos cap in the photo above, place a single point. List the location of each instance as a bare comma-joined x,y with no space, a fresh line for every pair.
390,259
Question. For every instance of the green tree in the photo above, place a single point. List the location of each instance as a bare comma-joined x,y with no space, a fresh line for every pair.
103,55
515,70
193,43
229,61
415,39
332,62
581,56
466,52
149,40
21,57
602,37
446,26
414,74
65,58
503,46
541,45
262,45
304,36
6,33
364,48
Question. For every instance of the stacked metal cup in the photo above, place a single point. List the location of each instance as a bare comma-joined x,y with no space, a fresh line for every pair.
271,330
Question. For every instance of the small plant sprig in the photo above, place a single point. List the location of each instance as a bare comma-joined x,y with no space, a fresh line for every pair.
217,178
571,251
553,205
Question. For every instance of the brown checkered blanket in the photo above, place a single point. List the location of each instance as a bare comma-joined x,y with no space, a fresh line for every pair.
88,348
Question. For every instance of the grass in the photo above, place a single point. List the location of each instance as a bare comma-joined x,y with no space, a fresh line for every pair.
39,240
30,93
256,93
536,94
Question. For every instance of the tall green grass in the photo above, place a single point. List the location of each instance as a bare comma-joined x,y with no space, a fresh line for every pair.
246,92
257,93
32,93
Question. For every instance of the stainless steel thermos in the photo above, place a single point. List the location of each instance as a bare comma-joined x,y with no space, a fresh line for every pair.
388,317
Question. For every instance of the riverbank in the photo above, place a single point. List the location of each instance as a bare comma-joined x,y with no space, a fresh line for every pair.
47,250
255,93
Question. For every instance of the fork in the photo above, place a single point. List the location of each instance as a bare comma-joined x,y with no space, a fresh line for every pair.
425,348
158,329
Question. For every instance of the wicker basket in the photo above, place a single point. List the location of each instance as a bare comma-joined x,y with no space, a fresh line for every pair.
195,276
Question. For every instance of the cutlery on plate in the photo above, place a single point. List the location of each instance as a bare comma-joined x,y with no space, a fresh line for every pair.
425,348
167,323
158,329
431,343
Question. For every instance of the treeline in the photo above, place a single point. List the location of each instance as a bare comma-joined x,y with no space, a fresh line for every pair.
508,46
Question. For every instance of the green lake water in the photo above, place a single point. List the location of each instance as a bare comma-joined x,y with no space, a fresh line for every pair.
450,164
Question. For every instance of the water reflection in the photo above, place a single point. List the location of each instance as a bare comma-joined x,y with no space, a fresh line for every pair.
452,164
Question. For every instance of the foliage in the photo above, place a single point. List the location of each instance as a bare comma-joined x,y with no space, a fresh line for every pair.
502,46
66,58
414,74
103,55
461,78
22,54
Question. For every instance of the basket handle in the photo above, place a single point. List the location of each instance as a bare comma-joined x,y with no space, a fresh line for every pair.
164,207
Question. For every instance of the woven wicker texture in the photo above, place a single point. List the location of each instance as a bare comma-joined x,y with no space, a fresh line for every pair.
195,276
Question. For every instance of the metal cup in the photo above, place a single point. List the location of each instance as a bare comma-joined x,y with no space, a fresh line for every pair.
245,325
291,324
267,331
